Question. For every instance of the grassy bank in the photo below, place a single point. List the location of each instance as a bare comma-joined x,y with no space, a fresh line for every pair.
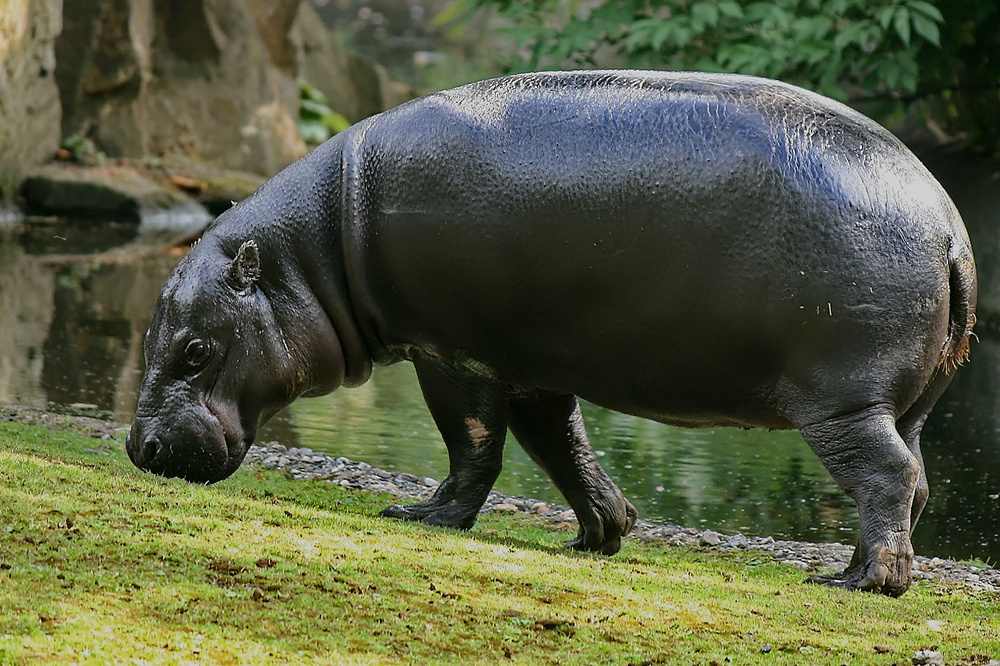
100,563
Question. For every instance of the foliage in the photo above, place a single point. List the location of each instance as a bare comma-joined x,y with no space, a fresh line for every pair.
960,86
101,563
317,121
83,150
890,51
828,44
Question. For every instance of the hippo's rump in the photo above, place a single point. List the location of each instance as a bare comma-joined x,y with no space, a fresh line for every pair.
684,247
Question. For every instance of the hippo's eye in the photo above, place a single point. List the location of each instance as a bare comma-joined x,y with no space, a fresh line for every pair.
197,352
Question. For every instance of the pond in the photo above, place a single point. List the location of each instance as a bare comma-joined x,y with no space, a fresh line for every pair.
71,328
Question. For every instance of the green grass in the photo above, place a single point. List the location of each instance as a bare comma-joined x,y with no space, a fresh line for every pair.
100,563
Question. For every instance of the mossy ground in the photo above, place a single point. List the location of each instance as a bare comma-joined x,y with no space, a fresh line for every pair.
100,563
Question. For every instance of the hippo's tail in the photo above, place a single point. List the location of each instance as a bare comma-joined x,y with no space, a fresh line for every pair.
962,280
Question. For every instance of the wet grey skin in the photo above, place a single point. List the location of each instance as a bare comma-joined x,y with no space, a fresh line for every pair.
698,249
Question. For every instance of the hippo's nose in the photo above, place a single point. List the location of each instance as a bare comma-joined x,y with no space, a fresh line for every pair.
143,450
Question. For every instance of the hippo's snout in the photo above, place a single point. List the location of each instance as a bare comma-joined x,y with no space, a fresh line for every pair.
192,446
143,450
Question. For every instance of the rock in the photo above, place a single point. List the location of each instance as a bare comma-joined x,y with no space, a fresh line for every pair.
737,541
214,188
195,78
29,103
116,192
709,538
213,79
506,507
541,508
928,657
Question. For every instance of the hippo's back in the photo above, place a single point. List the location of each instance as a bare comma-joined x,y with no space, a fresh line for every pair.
714,240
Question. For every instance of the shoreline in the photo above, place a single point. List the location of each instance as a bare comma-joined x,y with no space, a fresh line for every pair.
305,464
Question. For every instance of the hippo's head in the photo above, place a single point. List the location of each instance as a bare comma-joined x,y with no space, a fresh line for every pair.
232,341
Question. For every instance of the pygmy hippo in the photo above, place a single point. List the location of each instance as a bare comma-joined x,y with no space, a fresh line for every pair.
698,249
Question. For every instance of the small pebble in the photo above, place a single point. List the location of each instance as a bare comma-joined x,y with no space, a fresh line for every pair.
710,538
928,657
737,541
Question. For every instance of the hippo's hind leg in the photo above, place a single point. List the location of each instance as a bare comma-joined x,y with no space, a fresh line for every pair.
909,430
550,429
866,455
910,425
472,418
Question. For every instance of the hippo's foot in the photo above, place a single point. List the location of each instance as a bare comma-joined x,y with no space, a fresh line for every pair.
602,530
454,514
447,508
886,571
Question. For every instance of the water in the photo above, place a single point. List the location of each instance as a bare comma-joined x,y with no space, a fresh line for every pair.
728,479
71,327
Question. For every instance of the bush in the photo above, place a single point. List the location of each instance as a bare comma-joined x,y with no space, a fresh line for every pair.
894,52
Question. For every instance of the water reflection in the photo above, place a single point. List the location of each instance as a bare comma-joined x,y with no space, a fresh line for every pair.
71,325
732,480
71,329
963,461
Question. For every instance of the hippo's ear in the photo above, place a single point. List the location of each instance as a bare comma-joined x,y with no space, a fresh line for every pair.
244,270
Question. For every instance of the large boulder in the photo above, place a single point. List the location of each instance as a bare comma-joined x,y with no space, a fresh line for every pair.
188,76
29,99
213,79
116,192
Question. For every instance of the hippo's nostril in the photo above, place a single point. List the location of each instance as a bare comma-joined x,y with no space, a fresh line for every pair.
151,448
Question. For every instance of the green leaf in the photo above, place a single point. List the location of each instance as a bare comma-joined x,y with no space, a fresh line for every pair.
889,72
316,108
310,92
909,70
927,29
856,33
336,122
313,131
731,9
704,15
746,58
885,16
926,9
811,27
901,22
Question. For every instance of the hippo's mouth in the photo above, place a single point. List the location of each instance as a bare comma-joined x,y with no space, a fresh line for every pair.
236,439
201,445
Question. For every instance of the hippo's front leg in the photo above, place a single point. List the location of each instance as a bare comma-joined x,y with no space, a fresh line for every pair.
472,417
550,429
